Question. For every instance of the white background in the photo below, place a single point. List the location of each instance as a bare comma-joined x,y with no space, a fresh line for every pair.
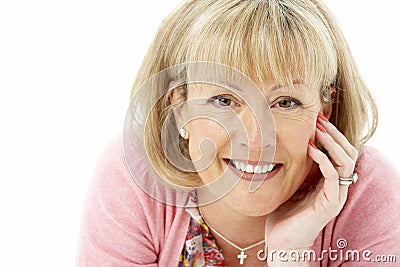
66,70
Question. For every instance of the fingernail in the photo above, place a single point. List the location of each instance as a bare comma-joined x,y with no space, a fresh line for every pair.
322,117
312,144
321,128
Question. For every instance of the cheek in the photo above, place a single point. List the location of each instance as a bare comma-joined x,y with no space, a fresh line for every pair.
294,135
292,145
206,138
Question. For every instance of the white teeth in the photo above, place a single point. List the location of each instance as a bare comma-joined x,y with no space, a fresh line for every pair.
257,169
265,168
271,167
249,168
235,163
252,169
242,166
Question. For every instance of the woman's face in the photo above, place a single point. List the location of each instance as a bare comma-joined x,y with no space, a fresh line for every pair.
294,112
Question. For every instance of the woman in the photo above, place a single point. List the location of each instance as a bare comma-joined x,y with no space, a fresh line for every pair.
242,145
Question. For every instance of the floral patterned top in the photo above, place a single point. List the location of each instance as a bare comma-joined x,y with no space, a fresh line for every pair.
200,248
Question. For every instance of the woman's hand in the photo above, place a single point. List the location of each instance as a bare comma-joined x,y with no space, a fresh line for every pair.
296,223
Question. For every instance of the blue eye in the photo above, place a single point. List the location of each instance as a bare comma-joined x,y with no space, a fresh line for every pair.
222,101
288,103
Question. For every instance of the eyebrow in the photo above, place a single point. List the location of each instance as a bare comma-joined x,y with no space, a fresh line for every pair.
279,86
232,86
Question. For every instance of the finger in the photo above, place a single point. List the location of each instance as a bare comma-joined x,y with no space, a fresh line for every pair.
338,137
342,141
343,193
331,184
336,194
337,153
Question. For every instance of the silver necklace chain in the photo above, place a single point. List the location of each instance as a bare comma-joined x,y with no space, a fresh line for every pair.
242,255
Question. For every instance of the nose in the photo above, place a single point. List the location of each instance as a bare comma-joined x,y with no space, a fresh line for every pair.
259,131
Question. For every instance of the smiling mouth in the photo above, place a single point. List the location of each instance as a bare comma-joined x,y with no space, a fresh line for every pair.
252,169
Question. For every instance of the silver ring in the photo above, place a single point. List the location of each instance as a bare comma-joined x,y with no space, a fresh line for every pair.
348,180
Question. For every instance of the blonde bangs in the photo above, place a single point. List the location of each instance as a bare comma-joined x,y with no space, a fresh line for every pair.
259,38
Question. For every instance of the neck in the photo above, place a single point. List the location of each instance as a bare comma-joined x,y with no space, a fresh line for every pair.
240,229
243,231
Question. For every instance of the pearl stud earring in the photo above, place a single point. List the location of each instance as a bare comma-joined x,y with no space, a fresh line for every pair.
182,132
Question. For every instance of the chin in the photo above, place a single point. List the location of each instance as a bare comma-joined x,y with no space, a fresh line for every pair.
255,211
259,203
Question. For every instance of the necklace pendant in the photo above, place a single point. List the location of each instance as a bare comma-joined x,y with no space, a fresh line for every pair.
241,256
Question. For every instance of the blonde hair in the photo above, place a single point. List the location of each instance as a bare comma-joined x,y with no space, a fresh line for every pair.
283,39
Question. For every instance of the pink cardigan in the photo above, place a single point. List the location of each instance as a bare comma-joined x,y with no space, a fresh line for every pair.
123,226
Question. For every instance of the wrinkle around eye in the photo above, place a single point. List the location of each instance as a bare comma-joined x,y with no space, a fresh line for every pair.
294,104
216,101
303,114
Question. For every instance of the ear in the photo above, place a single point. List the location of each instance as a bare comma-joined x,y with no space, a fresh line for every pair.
175,98
172,94
327,108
